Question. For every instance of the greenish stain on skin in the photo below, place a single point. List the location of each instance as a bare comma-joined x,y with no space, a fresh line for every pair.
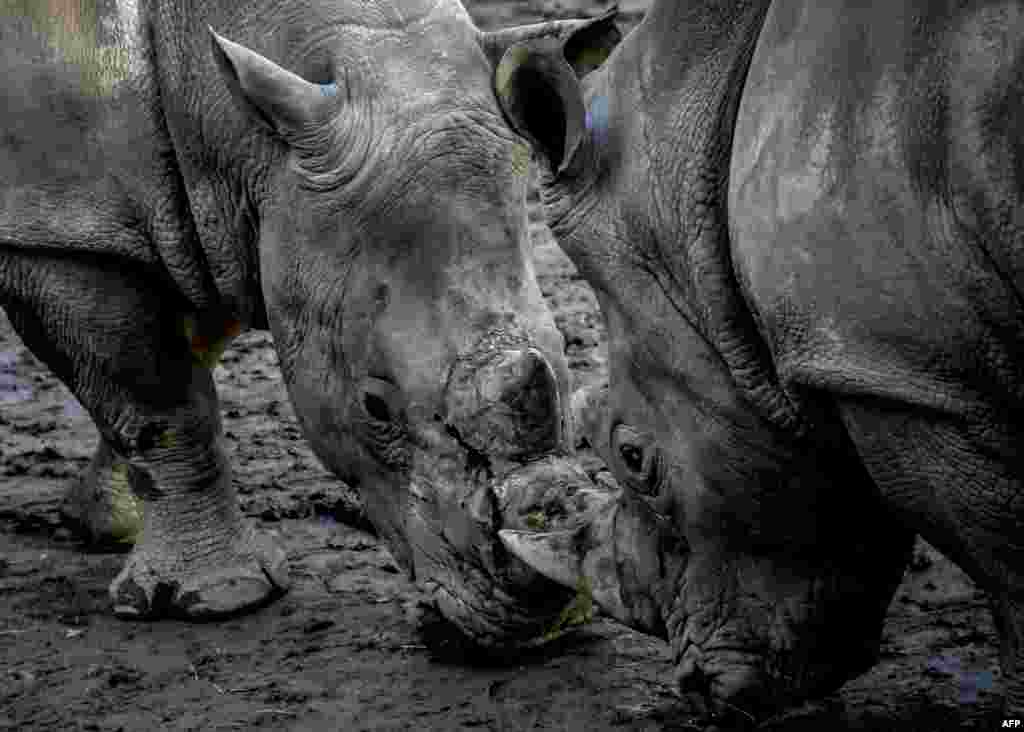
166,439
513,59
591,57
579,612
536,521
520,159
125,507
75,39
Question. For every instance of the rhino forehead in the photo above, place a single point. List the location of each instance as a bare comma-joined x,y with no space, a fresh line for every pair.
409,11
383,15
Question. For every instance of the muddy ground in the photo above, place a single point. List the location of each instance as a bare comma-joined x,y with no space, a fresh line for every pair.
346,649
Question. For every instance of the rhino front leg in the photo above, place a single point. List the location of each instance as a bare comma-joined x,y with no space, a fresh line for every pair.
100,505
959,482
119,339
196,557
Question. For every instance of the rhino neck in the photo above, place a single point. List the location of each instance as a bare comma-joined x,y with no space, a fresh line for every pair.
221,165
690,62
714,39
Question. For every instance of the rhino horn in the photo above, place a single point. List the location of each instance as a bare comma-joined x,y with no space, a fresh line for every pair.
562,557
554,554
624,555
280,100
581,557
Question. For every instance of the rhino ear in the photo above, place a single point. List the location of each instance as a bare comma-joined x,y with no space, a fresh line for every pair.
590,45
585,44
537,79
275,97
542,99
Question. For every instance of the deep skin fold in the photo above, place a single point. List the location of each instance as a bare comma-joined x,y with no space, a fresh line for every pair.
811,281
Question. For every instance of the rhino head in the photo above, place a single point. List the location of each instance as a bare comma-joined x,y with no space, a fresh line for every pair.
755,543
395,263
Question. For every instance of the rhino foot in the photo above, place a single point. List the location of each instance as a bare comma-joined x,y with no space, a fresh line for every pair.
100,507
251,573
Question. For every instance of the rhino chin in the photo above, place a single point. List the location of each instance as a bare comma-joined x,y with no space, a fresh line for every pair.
768,653
734,686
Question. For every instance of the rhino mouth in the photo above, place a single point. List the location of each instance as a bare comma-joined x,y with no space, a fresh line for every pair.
722,684
738,686
711,682
762,657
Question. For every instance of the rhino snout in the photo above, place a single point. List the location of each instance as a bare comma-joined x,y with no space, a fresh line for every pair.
507,404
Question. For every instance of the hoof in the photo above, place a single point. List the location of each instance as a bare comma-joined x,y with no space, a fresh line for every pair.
248,575
100,507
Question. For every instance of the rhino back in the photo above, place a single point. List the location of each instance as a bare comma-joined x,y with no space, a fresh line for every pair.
875,204
895,192
112,109
88,164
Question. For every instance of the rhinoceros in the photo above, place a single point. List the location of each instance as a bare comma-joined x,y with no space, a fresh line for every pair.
804,222
354,188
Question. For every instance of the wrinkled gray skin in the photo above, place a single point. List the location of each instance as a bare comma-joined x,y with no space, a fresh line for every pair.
353,187
813,279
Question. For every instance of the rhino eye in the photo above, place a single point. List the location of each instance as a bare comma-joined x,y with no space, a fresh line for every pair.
636,455
381,400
